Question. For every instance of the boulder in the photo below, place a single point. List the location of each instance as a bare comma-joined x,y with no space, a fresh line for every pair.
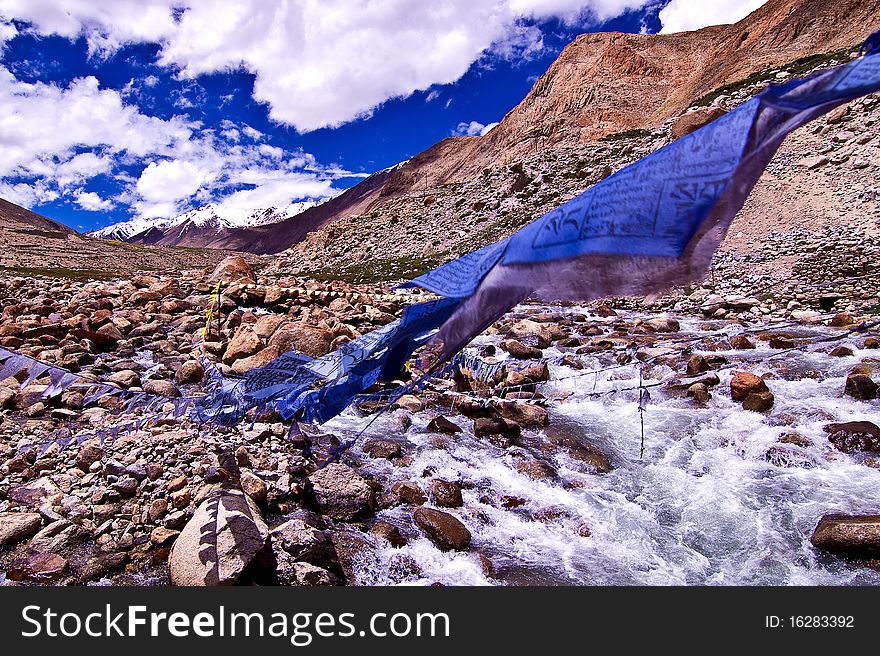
663,325
441,424
225,536
233,269
125,378
860,386
446,494
537,373
253,486
389,533
854,436
259,359
409,492
300,541
242,345
309,340
696,365
521,351
850,536
161,388
35,493
533,332
341,493
524,414
33,567
744,383
694,120
487,426
444,530
88,455
190,373
378,448
759,401
741,342
15,526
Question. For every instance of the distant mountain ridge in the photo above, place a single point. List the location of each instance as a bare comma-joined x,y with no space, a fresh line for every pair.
202,226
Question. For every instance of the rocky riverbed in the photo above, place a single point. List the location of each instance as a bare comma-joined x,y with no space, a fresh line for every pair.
526,467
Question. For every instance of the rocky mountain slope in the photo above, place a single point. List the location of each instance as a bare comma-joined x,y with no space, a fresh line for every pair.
824,173
31,243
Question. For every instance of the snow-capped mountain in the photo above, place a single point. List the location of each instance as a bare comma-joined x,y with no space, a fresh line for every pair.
202,226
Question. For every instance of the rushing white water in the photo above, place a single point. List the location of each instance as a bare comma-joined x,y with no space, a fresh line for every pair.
704,505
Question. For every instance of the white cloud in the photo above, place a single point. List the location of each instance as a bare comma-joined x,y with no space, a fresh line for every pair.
171,180
92,202
687,15
7,32
55,139
318,63
472,129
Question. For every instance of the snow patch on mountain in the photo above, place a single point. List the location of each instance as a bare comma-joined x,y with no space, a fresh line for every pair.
209,217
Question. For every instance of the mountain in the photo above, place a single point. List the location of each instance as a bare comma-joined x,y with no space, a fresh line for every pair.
608,99
31,243
207,226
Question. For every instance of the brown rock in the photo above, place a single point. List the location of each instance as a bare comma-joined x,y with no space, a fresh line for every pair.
162,388
854,436
696,365
260,359
694,120
860,386
341,492
533,332
253,486
741,343
87,455
190,372
486,426
377,448
841,320
745,383
441,424
35,493
444,530
409,492
310,340
162,537
225,537
243,344
390,533
233,269
37,568
759,401
15,526
446,494
850,536
524,414
521,351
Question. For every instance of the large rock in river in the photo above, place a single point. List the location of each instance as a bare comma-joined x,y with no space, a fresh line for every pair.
226,542
851,536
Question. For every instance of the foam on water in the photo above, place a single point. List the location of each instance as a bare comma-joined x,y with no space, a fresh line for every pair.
704,505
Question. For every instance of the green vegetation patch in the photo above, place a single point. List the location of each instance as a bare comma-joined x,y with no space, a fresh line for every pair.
378,271
796,68
627,134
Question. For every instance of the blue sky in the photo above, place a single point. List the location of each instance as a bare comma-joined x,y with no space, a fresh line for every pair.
148,108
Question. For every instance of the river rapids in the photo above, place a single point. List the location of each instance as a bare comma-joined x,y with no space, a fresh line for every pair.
704,505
